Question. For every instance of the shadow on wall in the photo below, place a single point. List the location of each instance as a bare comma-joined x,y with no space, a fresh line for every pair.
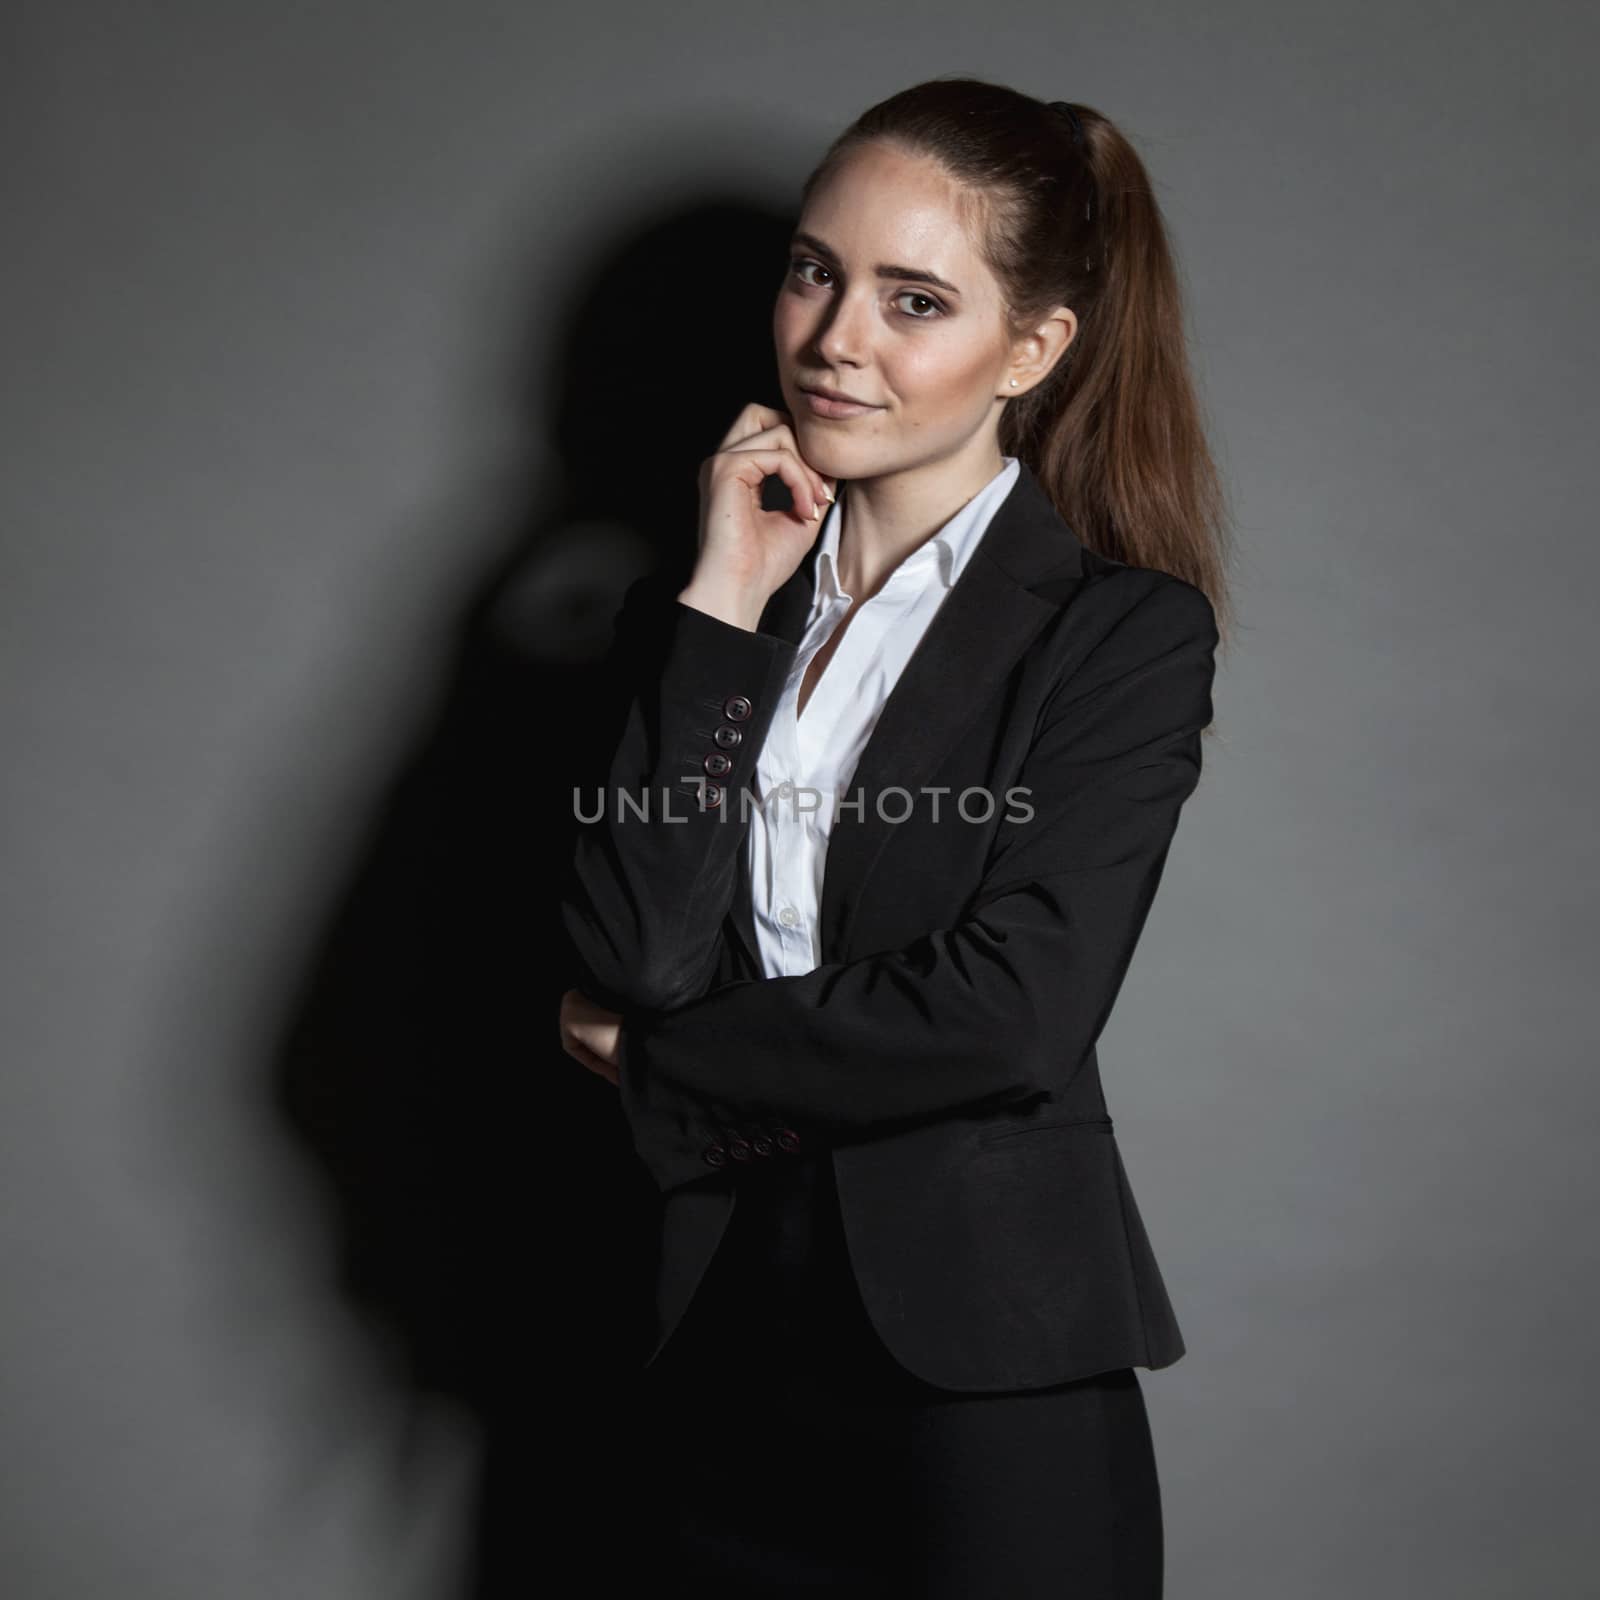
495,1231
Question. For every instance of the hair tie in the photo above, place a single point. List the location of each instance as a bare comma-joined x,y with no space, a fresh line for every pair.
1077,138
1072,117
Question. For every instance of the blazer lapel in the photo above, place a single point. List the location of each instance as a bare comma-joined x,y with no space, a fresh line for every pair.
989,617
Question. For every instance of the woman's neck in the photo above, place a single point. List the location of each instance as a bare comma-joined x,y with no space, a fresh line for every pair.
885,518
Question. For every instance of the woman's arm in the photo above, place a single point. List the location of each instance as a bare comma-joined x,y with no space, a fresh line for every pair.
652,880
1005,1005
649,883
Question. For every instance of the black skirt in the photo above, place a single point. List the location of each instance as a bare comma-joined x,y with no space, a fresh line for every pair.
785,1451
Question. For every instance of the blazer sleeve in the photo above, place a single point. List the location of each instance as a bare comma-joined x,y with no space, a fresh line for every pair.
1004,1005
651,879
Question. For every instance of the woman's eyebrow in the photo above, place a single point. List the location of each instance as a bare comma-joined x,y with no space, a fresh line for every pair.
883,269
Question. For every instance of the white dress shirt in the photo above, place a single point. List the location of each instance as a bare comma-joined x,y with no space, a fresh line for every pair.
808,760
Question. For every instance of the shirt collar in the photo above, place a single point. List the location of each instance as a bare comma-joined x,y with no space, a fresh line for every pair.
951,547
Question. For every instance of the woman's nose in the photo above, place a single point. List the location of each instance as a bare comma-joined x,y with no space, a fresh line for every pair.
843,339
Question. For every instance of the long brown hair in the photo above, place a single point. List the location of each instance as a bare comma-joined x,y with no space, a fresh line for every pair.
1067,216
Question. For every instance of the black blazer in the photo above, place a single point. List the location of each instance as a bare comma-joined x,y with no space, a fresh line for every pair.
943,1053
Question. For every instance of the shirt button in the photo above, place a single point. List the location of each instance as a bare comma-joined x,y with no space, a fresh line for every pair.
788,916
785,789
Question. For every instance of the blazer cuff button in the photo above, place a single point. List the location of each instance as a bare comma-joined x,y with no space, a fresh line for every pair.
787,1139
736,707
714,1156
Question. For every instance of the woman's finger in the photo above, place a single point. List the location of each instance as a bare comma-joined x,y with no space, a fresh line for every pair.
752,466
762,427
581,1053
753,420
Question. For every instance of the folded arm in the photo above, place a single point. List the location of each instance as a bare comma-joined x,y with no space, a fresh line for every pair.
1004,1005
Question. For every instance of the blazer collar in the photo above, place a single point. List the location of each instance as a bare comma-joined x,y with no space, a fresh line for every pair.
987,619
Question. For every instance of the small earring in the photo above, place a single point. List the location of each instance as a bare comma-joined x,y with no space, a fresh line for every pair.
1013,383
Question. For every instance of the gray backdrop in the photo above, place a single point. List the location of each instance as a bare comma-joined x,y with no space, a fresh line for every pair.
293,309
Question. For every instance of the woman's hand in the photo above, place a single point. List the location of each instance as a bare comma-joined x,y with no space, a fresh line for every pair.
747,553
591,1034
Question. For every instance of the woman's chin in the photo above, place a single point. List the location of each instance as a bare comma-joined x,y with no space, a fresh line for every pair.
825,451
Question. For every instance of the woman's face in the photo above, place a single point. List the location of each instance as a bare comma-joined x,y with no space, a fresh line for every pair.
886,299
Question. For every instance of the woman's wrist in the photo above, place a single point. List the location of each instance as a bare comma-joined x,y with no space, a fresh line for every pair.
739,607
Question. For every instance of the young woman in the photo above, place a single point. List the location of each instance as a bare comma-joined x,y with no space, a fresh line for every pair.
898,775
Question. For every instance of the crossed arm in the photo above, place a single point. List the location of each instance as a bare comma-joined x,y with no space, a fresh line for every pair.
998,1008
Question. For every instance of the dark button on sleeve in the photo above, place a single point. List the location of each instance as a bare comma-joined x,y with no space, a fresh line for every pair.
736,708
727,738
714,1156
787,1139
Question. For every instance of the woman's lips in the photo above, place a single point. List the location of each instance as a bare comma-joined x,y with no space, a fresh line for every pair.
821,406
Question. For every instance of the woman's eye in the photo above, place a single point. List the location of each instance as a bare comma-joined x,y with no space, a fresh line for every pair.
799,265
921,316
